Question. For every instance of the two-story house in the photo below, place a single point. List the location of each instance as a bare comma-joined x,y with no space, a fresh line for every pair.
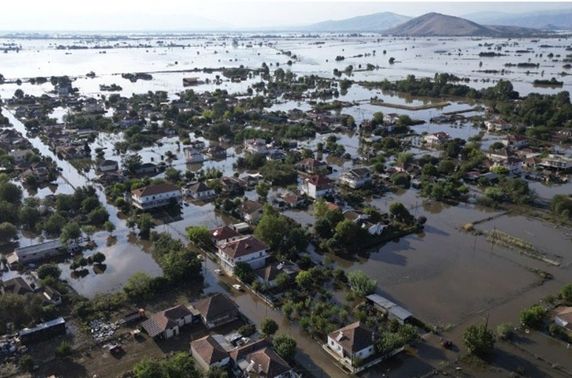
157,195
351,343
246,250
356,178
317,186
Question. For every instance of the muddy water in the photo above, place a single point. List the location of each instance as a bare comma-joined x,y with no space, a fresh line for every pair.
444,275
123,258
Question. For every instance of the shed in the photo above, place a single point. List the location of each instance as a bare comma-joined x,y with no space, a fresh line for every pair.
393,310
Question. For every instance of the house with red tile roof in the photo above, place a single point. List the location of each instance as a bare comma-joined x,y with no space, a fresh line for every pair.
247,250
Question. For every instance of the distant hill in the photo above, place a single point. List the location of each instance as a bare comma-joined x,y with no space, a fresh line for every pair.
437,24
540,20
371,23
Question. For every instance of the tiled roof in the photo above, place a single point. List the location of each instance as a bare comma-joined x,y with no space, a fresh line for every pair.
267,363
215,306
243,247
353,337
164,320
154,189
209,350
224,232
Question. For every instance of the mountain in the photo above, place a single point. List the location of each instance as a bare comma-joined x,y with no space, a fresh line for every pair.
373,23
561,19
437,24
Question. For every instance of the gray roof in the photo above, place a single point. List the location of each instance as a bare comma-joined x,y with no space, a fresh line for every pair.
392,308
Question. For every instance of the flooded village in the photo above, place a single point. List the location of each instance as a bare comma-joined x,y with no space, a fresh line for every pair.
285,205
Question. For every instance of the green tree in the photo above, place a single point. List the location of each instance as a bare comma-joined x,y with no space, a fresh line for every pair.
479,340
54,224
199,235
285,346
98,258
10,192
148,368
26,363
132,162
7,232
404,159
360,283
304,280
244,272
269,327
262,189
64,349
533,317
566,293
400,213
144,223
180,265
138,286
49,270
70,232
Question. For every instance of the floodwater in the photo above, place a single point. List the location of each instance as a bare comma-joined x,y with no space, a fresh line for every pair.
444,276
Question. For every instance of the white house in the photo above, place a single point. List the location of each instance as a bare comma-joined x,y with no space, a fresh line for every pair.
352,342
20,156
108,166
247,250
356,178
316,186
436,139
256,146
153,196
200,191
194,155
563,317
497,125
559,162
168,323
224,234
251,211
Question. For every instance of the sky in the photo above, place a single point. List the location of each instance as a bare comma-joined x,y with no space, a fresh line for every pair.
154,15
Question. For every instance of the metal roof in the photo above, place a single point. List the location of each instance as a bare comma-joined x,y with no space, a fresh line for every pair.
392,308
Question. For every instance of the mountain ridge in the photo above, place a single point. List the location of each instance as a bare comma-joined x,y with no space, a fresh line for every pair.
438,24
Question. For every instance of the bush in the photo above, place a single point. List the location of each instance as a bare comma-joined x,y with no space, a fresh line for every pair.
566,293
49,270
269,327
505,331
533,317
64,349
479,340
26,363
360,283
247,330
244,272
285,346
